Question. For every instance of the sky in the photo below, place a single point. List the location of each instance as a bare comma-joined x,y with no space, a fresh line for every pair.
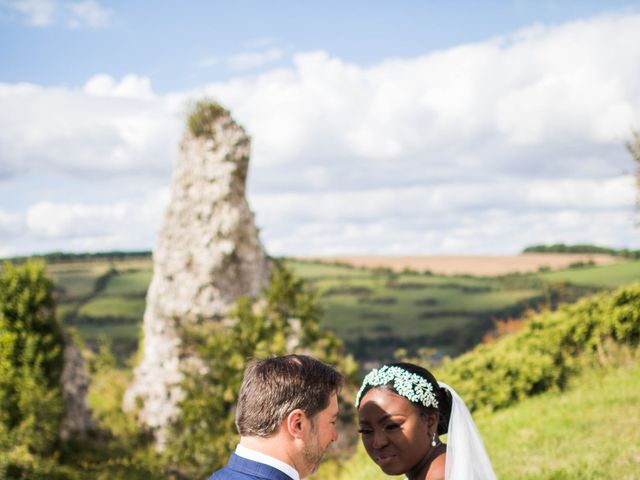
396,128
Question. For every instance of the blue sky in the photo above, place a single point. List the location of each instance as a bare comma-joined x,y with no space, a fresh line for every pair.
182,44
378,127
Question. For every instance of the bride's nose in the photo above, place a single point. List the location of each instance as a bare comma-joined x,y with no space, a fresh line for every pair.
379,439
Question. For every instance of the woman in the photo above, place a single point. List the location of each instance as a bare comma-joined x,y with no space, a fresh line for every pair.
403,411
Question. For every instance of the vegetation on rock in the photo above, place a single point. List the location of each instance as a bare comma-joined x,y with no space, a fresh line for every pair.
204,114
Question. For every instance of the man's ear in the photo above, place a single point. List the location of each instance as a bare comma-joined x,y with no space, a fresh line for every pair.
295,423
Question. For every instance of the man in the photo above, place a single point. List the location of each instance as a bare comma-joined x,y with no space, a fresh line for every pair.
286,416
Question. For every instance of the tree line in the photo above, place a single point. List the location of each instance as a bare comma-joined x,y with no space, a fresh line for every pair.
582,248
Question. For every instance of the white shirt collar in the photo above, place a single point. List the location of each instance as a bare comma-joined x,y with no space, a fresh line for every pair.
260,457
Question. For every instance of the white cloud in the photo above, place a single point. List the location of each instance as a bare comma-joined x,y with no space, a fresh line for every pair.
88,13
48,226
47,219
209,62
438,218
11,224
41,13
251,60
483,148
109,127
38,13
131,86
532,104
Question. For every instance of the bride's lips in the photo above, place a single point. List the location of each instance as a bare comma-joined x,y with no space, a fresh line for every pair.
384,459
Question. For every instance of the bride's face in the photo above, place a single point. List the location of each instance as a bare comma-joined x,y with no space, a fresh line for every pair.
394,433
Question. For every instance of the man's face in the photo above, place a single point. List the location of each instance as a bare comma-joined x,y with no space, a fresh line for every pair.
323,431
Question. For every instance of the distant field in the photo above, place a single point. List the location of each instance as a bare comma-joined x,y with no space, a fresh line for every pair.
610,277
486,265
378,310
375,311
102,297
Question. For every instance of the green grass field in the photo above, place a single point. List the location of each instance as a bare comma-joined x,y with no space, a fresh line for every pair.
609,276
76,279
129,283
591,431
374,311
313,270
113,307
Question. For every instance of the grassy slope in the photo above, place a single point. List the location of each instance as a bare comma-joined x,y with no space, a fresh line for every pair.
590,431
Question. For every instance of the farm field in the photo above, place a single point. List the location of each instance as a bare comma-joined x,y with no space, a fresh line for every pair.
476,265
375,311
610,277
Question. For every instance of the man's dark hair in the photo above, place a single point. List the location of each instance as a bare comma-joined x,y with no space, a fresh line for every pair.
274,387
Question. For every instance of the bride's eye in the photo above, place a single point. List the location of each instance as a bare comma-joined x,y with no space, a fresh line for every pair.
364,431
391,426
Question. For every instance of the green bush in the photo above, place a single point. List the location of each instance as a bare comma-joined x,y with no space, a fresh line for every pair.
284,320
547,351
31,361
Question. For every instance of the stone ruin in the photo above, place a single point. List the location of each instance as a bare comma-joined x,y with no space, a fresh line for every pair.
77,420
207,254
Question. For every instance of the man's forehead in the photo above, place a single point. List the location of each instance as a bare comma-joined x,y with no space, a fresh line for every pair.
333,404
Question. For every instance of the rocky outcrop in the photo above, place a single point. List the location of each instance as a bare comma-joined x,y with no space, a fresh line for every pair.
207,254
77,421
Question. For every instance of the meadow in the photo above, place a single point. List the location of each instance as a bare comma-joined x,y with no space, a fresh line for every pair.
586,432
552,397
374,311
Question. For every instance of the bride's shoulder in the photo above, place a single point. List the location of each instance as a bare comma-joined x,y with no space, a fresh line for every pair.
436,469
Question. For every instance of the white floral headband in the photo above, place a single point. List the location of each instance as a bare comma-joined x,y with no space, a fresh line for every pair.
411,386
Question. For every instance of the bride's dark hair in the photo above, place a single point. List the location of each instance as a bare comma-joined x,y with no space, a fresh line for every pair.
442,394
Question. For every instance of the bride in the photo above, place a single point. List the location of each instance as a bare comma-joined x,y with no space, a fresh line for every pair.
402,412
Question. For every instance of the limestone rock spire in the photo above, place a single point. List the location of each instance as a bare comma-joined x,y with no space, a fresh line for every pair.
207,254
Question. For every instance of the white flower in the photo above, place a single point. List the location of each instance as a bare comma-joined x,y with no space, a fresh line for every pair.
410,385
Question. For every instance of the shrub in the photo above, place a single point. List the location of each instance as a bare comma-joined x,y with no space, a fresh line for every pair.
547,351
31,361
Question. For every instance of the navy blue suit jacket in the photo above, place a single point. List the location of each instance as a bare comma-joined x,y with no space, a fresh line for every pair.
239,468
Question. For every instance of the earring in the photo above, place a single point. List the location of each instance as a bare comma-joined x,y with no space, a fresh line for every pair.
433,440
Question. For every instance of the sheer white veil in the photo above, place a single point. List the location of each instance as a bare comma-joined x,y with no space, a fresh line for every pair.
467,458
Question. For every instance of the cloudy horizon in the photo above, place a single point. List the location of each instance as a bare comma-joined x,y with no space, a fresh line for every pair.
481,147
